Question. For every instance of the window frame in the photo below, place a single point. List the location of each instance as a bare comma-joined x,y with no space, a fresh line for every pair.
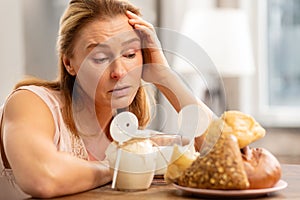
269,115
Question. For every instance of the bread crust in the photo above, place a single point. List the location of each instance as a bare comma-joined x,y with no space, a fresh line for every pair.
262,168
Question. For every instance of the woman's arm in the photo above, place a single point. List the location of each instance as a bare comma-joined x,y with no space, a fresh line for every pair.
157,70
40,170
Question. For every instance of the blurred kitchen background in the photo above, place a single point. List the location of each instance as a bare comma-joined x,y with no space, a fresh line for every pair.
252,44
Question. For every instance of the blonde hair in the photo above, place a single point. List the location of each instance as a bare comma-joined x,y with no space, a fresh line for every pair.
76,16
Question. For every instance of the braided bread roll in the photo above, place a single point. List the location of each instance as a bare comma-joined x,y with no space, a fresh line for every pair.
221,168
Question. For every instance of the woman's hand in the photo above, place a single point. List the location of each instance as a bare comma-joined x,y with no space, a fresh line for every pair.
156,67
147,32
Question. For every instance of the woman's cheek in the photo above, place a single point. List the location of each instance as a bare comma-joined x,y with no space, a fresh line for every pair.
89,77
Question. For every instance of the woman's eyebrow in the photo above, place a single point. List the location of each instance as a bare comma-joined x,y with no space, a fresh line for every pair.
93,45
130,41
106,46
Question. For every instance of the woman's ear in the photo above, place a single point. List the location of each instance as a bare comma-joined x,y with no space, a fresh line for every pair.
68,66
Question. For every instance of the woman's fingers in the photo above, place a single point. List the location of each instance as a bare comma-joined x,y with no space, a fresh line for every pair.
146,29
134,20
131,14
149,37
141,22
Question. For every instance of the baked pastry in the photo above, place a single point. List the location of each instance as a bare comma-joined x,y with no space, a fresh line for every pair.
262,168
179,162
243,126
224,149
221,168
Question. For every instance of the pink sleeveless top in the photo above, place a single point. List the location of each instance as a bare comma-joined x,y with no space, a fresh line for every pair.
63,139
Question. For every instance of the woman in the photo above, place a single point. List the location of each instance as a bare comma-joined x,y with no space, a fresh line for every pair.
54,134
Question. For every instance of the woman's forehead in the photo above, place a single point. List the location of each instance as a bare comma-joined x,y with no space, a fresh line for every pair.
115,30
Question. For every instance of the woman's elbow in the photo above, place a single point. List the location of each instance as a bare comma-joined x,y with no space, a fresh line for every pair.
41,187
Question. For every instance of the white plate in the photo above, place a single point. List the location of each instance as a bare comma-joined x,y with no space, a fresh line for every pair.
234,193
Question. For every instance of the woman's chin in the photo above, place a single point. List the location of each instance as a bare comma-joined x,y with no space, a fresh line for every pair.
121,102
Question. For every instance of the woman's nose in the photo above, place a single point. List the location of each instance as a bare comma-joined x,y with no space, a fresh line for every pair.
118,69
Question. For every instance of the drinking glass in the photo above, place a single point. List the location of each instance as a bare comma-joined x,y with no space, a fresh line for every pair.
165,144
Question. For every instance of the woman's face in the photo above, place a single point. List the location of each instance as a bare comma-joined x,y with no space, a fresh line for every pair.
107,60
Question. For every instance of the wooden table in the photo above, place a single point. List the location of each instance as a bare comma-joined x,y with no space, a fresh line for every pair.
158,190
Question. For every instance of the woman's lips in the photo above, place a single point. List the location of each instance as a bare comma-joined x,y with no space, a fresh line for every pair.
121,91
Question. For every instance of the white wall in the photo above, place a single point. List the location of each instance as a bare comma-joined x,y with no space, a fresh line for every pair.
172,11
41,23
148,9
171,16
11,48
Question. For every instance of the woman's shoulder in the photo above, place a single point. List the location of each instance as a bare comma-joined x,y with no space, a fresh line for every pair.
51,97
27,98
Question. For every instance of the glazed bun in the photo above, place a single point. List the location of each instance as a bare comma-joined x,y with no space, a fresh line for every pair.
262,168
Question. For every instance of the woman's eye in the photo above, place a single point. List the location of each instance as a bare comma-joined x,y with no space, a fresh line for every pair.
130,54
101,60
